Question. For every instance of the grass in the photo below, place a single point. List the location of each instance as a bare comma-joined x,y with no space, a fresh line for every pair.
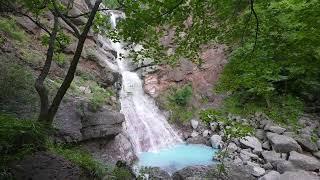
79,157
9,27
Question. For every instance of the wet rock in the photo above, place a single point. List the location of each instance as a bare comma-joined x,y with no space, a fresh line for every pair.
43,165
197,140
305,162
194,123
272,175
307,144
283,144
298,175
275,129
216,141
102,123
157,173
251,142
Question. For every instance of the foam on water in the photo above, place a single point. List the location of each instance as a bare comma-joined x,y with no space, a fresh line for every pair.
178,157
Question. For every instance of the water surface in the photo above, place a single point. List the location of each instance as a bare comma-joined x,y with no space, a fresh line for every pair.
177,157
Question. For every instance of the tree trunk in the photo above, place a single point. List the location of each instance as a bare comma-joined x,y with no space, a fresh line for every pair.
73,66
39,84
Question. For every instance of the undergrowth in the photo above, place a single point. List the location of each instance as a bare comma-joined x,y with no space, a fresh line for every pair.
10,28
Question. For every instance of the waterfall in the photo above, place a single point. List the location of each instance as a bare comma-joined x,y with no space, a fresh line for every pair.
145,124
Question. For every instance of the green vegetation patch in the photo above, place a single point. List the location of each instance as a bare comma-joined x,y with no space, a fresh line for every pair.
9,27
19,138
177,102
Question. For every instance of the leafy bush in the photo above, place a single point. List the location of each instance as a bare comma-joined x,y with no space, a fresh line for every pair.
10,28
181,96
19,138
99,96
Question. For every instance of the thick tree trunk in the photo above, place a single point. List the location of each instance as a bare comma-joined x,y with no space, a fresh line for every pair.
73,66
39,84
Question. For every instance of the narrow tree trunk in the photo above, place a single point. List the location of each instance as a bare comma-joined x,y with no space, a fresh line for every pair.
73,66
39,84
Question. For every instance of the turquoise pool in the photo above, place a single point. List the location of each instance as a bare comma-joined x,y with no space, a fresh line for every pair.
178,157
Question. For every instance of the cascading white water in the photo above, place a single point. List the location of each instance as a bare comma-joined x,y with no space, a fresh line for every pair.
145,124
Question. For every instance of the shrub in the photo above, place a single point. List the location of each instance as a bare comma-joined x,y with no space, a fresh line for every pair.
10,28
19,138
181,96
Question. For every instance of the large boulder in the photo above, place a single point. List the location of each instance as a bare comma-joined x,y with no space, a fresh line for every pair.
283,144
100,124
251,142
43,165
298,175
308,163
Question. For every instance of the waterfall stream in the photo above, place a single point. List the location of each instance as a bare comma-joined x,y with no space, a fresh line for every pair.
145,124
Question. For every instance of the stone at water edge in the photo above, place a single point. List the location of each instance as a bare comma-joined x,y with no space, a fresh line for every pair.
251,142
283,144
308,163
205,133
194,134
298,175
194,123
216,141
272,175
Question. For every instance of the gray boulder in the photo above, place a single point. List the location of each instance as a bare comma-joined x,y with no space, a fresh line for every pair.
216,141
194,123
251,142
307,144
275,129
318,144
284,166
197,140
305,162
298,175
272,157
157,173
266,145
260,134
283,144
255,169
316,154
272,175
100,124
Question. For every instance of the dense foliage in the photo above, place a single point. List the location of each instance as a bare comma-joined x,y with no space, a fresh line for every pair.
275,45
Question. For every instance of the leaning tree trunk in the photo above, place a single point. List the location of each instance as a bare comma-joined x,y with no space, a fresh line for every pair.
73,66
39,84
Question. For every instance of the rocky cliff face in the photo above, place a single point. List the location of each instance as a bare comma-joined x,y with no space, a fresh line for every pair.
77,120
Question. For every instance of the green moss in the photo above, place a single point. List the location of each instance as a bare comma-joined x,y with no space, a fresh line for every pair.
10,28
